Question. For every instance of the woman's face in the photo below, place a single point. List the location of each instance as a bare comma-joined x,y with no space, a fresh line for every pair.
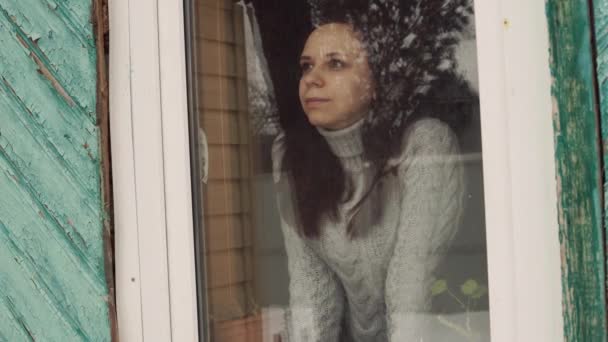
336,85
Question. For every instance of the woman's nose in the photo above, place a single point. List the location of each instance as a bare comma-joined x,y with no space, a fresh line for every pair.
313,78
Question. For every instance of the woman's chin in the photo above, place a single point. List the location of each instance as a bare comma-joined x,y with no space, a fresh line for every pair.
318,120
328,125
323,120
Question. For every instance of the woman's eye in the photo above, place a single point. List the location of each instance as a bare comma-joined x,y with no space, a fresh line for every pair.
305,67
336,64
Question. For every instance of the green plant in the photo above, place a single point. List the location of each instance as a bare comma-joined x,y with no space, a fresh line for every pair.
470,293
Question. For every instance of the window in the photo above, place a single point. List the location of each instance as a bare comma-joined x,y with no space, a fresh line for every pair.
248,69
156,271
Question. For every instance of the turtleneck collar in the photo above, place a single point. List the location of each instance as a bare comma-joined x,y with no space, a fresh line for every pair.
346,144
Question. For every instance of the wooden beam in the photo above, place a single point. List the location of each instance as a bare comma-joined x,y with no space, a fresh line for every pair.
100,23
579,169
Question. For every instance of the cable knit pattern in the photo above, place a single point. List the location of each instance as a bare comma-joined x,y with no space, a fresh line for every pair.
375,287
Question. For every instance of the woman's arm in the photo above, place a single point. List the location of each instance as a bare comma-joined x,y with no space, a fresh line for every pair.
431,209
316,297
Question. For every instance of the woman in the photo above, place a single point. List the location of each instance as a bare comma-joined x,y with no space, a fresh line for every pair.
368,199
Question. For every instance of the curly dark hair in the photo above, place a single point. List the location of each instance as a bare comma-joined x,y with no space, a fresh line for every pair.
410,47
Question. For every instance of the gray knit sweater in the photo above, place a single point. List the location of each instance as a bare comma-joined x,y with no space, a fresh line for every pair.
375,287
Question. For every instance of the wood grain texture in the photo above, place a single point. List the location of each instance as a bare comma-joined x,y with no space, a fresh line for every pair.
52,272
579,174
600,15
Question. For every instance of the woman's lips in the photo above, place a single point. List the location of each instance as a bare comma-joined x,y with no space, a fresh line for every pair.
315,101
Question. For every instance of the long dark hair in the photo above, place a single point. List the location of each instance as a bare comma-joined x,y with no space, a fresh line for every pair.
410,46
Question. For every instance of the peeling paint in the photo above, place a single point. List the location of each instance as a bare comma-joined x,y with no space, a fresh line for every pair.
53,277
579,174
42,69
32,20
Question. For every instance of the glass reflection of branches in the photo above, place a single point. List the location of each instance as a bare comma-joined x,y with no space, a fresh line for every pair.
371,190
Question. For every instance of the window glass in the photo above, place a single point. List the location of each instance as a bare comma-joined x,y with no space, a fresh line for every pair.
341,171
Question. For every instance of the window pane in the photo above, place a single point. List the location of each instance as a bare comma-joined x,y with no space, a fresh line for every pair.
342,186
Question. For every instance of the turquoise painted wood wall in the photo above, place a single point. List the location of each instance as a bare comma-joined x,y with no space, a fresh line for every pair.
579,166
600,16
52,276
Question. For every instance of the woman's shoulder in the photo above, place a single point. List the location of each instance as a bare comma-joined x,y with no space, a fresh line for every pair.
425,137
431,133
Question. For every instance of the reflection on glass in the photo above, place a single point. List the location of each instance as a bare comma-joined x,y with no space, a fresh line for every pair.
344,193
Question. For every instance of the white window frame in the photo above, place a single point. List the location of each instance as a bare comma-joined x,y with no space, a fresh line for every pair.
155,268
154,239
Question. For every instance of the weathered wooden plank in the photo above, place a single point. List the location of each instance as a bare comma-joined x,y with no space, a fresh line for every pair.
77,12
32,311
100,23
41,27
46,111
49,179
32,102
63,282
52,277
600,15
16,330
578,163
